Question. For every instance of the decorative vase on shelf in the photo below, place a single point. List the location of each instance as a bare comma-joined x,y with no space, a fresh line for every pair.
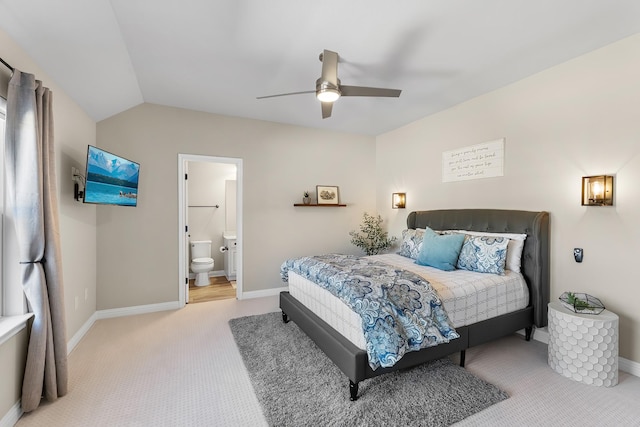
306,199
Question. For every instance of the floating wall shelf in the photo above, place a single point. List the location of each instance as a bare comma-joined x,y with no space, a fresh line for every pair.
319,206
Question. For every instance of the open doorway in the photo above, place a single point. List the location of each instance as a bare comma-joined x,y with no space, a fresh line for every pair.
210,213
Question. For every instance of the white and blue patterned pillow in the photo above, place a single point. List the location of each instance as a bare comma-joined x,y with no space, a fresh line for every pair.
514,248
483,254
411,243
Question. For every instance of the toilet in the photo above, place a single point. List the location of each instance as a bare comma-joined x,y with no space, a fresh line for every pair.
201,261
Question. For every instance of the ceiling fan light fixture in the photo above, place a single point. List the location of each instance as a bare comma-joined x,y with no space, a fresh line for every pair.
327,92
328,95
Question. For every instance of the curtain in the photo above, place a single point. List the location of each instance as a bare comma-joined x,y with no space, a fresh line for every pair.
33,207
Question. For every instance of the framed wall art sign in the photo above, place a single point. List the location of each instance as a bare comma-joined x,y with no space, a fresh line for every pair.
474,162
327,195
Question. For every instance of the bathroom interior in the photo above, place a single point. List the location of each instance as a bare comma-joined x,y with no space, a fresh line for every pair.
211,216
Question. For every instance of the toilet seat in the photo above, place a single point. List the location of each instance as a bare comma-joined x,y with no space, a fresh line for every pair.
202,261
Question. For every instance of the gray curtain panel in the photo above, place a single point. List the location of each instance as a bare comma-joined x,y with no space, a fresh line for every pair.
33,207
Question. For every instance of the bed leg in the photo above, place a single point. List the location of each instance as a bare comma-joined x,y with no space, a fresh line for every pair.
528,332
353,390
285,318
462,356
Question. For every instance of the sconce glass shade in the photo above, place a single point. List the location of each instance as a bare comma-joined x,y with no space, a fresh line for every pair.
597,190
399,200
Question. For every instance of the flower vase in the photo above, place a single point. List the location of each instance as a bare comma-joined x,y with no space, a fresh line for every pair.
306,200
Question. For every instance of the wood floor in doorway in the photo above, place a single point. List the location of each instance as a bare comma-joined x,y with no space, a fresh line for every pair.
218,288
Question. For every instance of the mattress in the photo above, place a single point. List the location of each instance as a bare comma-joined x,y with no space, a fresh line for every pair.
468,297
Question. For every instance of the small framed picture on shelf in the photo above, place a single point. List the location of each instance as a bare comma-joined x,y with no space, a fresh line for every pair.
327,195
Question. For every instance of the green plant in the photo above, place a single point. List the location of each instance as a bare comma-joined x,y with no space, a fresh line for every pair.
371,238
578,303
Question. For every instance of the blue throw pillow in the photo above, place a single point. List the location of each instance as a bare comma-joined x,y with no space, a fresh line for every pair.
440,250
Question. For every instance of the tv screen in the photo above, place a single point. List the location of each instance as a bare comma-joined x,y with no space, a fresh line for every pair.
110,179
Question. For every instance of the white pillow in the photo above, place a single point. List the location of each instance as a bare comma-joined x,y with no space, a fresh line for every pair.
514,248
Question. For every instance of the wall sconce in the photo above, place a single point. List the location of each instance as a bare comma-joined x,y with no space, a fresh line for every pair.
78,180
597,190
399,200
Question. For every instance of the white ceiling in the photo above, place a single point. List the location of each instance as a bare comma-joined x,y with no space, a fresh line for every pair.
219,55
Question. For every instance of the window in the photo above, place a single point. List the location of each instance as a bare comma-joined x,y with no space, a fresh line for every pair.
12,302
3,107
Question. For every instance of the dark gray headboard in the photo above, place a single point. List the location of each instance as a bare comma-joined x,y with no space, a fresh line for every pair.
535,256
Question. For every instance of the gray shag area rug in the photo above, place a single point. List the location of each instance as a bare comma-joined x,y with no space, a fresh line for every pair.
297,385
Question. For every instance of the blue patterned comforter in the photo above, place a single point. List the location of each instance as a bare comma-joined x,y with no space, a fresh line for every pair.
400,310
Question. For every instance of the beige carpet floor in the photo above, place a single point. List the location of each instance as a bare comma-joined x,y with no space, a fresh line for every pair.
182,368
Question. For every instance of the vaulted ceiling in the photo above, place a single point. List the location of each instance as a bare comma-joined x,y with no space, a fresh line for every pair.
219,55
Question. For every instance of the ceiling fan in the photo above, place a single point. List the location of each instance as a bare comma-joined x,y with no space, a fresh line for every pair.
328,87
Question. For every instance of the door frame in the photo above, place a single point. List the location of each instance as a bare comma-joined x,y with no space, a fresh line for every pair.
183,239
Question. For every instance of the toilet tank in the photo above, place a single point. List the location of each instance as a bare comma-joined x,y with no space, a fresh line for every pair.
200,249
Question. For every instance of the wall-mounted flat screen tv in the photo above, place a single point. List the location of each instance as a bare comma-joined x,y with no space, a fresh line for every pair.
110,179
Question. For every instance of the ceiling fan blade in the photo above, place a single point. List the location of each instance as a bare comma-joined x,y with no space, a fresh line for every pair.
329,67
285,94
326,109
369,91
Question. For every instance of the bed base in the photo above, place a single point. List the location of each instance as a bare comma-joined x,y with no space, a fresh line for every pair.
353,361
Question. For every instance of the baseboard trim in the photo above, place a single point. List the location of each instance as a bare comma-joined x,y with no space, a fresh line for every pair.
12,416
150,308
629,366
117,312
264,293
73,342
138,309
626,365
541,334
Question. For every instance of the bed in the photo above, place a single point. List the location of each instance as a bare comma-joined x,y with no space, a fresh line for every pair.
353,360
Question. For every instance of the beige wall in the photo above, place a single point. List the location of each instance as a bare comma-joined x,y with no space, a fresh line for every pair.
13,357
576,119
73,131
138,247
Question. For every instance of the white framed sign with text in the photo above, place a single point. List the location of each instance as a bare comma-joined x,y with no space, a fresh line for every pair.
474,162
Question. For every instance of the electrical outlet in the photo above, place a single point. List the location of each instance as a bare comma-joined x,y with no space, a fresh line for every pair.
578,254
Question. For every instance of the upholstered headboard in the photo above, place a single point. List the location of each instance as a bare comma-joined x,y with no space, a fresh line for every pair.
535,255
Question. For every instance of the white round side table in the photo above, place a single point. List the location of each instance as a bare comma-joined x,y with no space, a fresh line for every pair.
584,347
